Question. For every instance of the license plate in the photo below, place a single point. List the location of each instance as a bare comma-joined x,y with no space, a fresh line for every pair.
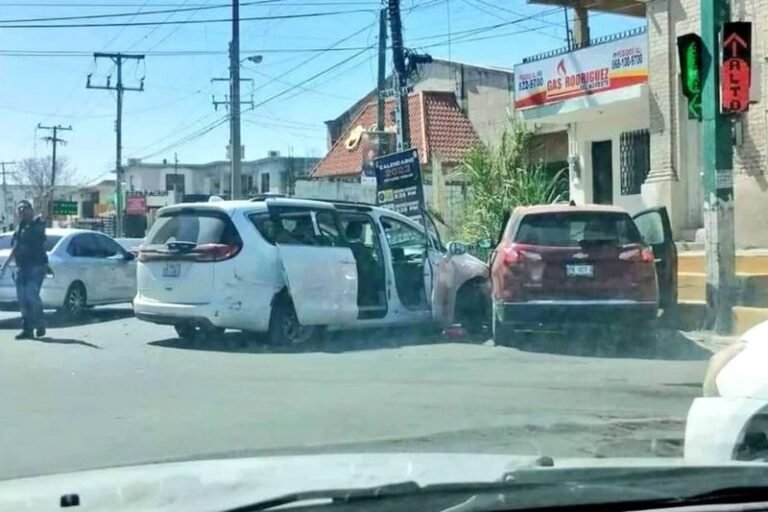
579,270
172,270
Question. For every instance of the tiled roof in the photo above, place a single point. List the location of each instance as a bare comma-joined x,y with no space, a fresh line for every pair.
438,127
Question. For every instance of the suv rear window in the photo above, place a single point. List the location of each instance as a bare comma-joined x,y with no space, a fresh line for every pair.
566,229
200,227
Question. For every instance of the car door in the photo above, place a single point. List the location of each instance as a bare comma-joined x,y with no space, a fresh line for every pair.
439,273
656,229
318,267
88,265
121,267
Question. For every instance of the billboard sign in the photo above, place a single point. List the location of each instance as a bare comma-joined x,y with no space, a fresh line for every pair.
399,186
135,205
603,67
373,145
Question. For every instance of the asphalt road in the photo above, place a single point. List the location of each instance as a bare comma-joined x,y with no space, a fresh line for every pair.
119,391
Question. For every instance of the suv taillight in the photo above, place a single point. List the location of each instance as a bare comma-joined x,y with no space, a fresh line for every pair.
515,254
642,255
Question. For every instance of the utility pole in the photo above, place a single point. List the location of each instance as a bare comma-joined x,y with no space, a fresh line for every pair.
234,107
382,83
717,158
54,140
5,174
401,77
118,59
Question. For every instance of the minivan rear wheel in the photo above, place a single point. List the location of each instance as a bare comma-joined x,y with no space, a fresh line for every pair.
284,326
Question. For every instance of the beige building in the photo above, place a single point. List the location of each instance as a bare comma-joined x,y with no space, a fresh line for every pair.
630,141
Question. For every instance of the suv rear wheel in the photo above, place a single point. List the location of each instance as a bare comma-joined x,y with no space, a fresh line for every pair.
284,326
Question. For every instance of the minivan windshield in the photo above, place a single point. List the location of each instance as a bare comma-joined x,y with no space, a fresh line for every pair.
571,229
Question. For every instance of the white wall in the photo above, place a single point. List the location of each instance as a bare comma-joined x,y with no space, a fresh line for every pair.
605,126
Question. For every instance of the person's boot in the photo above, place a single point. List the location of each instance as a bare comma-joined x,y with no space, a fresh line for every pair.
40,332
26,334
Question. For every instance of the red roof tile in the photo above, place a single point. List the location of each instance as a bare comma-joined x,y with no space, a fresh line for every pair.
438,127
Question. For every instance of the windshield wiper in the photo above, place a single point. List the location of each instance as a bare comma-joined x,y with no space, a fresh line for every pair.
334,495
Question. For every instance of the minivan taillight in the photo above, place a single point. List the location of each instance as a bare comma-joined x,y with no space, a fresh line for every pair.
214,252
203,253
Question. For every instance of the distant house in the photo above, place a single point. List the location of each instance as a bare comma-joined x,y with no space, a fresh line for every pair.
484,94
275,173
439,130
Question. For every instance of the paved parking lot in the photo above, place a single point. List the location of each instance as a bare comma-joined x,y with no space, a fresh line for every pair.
115,390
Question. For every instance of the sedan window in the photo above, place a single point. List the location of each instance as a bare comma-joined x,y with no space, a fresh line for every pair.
108,247
84,246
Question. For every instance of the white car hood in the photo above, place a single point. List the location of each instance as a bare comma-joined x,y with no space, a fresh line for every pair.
745,375
208,485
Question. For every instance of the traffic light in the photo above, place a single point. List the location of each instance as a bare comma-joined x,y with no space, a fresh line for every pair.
689,50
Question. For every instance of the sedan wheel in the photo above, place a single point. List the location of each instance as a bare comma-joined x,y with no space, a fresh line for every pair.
75,301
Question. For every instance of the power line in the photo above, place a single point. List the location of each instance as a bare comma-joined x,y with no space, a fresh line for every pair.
179,4
182,7
222,120
189,22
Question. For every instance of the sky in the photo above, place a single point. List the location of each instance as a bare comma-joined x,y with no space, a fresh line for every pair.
313,68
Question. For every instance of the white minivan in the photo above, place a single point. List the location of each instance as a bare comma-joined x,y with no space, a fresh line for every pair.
292,267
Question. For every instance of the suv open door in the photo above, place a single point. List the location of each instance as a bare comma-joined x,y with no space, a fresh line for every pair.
656,229
318,266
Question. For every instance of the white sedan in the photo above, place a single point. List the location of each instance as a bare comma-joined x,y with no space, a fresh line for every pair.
87,268
730,422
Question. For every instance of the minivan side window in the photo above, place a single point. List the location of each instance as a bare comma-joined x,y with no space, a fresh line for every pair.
328,226
402,237
299,226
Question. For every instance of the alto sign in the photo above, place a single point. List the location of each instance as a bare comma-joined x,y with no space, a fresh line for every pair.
736,70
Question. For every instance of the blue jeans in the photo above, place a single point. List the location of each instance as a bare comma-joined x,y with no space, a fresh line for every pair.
29,280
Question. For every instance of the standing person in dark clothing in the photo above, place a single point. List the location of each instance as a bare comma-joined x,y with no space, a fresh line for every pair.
32,264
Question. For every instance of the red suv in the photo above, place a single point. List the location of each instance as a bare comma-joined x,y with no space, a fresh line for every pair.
563,264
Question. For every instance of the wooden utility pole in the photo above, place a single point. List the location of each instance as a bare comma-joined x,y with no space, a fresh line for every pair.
717,158
382,82
401,77
234,106
54,140
118,59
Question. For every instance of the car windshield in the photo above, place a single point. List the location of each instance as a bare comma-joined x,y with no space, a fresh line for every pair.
401,238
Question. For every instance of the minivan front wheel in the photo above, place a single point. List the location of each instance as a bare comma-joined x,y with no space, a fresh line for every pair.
284,326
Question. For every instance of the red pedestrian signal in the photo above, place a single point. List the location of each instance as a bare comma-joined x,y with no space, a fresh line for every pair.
736,70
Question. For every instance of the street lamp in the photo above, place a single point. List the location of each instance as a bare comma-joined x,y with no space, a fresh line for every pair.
256,59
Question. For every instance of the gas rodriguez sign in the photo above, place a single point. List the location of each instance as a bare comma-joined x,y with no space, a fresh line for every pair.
604,67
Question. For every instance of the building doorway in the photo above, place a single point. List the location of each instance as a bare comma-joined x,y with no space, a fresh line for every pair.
602,172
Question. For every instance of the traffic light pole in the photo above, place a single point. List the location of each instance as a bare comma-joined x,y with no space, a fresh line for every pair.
717,159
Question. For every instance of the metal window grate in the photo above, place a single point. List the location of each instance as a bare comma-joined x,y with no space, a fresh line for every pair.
635,155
